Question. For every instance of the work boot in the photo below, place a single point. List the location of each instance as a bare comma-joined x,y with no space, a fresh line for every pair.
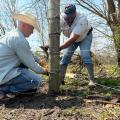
11,95
63,69
91,83
90,74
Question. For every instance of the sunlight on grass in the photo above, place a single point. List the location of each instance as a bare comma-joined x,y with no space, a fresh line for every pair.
113,70
105,114
75,87
75,110
111,113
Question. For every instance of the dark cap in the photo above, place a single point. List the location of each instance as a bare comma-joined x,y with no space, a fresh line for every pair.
69,9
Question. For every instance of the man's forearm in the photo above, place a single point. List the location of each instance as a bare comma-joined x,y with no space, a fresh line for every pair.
67,43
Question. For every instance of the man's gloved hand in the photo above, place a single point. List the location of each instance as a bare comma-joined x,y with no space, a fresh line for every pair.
45,48
44,64
46,70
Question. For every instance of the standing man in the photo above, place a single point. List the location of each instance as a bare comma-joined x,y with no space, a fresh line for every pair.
75,26
14,51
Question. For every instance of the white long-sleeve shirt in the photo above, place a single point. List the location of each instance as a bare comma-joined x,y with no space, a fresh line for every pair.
14,50
80,26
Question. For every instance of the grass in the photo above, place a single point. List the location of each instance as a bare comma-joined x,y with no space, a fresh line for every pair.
112,113
79,88
76,111
109,82
103,114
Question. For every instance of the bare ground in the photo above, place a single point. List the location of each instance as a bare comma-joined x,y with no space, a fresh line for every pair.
69,105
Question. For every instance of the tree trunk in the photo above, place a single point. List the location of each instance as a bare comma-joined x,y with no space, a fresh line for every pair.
117,46
54,42
116,36
113,22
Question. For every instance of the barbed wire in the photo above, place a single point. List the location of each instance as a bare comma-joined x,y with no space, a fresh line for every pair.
107,87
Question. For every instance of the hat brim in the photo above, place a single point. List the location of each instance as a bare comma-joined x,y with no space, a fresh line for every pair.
27,20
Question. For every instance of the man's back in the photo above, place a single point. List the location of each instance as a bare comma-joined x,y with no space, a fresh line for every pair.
8,58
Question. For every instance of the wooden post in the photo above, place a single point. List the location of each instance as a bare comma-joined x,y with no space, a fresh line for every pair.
54,42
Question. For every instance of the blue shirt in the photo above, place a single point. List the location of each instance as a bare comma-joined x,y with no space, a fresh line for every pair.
14,50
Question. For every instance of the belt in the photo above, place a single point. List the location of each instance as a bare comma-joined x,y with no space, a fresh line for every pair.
90,30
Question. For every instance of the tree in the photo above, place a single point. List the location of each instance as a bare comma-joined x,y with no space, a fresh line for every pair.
8,9
40,8
109,10
54,38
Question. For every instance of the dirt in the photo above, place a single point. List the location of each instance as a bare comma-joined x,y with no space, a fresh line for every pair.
42,106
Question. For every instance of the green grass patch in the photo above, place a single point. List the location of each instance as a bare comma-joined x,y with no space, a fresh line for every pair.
75,87
109,82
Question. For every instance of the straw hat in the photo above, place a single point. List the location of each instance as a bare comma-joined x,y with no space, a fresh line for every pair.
27,18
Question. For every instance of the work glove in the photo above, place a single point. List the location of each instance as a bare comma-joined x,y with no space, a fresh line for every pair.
44,48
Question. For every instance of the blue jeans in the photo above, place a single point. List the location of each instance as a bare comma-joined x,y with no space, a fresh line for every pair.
27,80
84,46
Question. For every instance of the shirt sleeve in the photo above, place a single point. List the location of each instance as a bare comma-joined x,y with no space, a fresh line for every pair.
36,58
22,50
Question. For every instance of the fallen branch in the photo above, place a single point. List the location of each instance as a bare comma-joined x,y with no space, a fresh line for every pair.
106,98
101,101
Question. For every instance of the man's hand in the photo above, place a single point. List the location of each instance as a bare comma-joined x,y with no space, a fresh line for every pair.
43,63
45,48
73,37
46,70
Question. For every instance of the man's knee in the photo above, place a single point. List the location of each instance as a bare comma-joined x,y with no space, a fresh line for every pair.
86,59
65,60
37,83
